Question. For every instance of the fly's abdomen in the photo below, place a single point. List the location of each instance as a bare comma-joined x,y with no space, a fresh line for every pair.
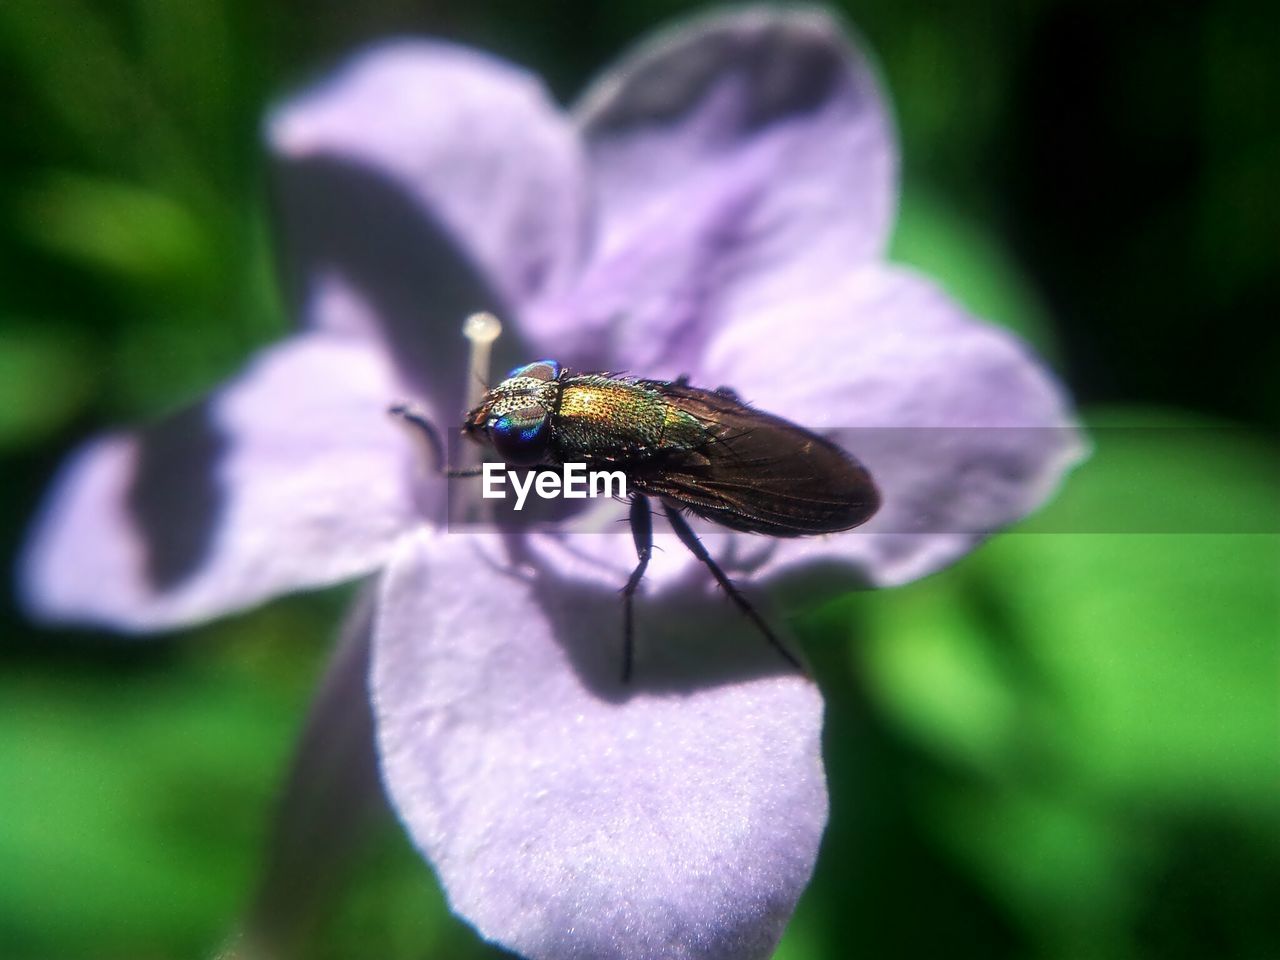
757,472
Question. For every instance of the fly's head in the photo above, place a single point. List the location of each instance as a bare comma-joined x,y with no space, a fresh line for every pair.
515,416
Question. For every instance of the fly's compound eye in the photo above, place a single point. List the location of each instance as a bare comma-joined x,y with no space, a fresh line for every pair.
538,370
520,437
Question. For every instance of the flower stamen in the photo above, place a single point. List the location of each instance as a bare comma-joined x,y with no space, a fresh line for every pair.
481,329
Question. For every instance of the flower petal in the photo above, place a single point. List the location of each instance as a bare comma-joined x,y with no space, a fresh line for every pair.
428,181
292,476
743,145
963,430
571,816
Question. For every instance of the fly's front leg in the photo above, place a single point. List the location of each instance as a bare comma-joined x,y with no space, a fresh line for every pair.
690,540
427,432
642,533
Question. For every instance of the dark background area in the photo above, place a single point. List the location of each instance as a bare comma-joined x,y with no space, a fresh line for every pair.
1066,746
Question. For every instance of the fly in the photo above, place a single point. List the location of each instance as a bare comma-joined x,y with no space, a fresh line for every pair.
694,451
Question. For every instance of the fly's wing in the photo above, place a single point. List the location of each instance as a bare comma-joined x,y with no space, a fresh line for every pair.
757,472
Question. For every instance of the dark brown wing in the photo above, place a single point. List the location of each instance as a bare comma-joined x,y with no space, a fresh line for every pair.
758,473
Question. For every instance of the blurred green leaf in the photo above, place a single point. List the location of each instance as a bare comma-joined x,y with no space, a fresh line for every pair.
137,782
119,227
1162,655
802,940
1154,471
45,379
1145,661
1099,697
71,59
1063,869
945,684
395,910
970,262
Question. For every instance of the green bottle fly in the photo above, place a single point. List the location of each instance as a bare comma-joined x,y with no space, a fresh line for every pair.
697,451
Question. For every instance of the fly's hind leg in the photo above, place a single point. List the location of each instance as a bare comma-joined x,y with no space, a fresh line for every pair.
690,540
642,533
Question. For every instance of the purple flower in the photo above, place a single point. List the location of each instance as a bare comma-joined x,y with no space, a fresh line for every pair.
716,205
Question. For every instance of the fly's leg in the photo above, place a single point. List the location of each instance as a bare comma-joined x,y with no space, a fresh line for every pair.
690,540
642,533
435,446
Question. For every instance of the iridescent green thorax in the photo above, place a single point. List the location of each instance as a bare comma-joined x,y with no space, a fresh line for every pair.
602,419
542,414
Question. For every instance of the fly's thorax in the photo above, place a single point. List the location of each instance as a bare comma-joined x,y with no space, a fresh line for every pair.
608,419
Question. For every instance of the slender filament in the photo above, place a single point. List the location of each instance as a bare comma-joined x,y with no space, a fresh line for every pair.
481,329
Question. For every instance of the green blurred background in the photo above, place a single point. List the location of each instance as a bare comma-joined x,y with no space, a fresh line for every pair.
1067,746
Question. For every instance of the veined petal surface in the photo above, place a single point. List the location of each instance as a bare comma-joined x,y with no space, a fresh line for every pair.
569,815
